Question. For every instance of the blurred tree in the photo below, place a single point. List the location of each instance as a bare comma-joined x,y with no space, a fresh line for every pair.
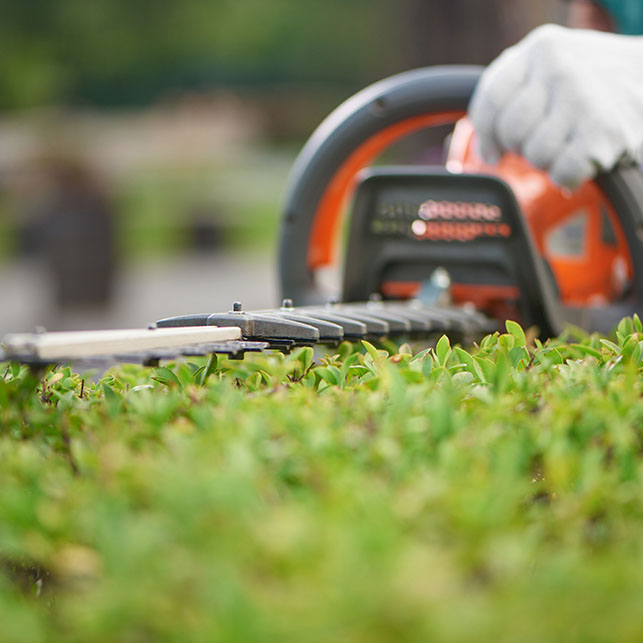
122,51
131,51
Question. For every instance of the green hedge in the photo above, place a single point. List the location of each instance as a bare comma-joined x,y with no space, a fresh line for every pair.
451,495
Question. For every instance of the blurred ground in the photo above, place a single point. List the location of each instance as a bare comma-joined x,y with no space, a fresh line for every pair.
143,293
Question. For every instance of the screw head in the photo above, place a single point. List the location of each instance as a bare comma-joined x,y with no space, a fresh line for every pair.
236,307
287,303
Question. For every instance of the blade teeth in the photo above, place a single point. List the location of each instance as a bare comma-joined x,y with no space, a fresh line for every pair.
289,327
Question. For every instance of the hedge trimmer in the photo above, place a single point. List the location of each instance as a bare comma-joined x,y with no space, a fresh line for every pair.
502,242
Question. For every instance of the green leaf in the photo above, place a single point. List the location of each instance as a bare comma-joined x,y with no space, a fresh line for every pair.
329,374
514,328
210,368
306,356
556,356
625,327
611,346
506,342
346,366
254,381
636,320
166,376
110,394
502,374
584,349
518,354
631,349
372,351
443,350
67,383
405,349
462,378
472,366
411,376
427,365
487,367
113,400
464,357
489,341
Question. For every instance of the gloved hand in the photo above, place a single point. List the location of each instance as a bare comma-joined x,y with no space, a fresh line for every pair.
569,101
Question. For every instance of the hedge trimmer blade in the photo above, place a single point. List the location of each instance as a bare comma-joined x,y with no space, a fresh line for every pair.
236,332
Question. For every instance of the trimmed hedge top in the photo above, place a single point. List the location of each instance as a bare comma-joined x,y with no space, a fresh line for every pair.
375,495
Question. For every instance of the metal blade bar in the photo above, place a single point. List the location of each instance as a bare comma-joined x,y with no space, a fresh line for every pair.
92,343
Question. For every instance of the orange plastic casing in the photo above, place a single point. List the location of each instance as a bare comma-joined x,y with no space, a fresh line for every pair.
596,273
600,267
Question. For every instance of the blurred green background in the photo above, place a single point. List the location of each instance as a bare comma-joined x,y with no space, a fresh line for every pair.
175,125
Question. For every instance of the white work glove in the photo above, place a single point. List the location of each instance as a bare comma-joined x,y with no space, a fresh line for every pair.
569,101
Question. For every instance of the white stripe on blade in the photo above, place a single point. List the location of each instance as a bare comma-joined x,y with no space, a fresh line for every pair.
92,343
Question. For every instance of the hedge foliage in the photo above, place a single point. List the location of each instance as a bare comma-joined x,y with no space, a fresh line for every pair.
374,495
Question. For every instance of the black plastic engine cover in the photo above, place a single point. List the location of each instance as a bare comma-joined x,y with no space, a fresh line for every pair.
408,221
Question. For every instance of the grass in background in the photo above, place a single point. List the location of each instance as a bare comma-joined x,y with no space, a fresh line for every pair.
451,495
243,198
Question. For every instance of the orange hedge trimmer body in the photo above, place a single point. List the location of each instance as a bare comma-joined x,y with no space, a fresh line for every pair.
559,257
